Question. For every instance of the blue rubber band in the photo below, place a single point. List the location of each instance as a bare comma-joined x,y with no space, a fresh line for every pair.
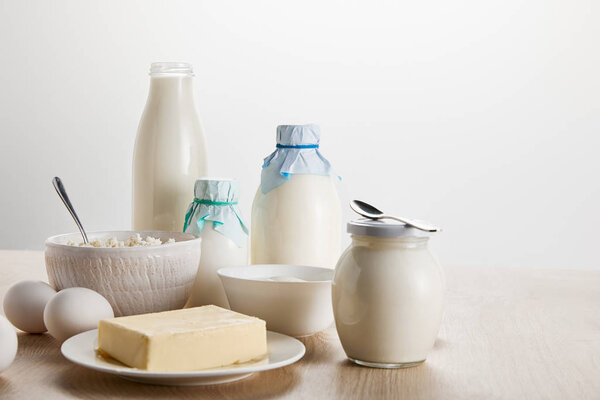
298,146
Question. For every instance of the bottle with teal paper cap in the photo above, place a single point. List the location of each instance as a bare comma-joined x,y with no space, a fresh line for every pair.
296,213
215,216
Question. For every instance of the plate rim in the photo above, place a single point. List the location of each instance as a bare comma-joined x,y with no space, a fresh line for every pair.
207,373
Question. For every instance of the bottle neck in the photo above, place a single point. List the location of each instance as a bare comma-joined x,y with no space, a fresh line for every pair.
171,88
381,243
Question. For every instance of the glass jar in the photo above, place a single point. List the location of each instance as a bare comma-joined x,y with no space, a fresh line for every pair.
388,294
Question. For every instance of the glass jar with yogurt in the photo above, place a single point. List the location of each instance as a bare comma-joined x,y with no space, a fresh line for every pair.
296,214
388,295
215,216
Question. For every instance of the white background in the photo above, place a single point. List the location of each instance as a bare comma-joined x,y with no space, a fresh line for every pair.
480,116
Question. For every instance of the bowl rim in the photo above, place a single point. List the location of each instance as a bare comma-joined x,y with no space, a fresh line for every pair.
225,272
51,241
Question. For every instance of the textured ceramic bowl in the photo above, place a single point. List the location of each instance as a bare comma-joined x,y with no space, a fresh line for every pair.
293,308
134,280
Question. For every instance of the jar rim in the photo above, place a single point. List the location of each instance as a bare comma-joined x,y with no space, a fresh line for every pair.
384,229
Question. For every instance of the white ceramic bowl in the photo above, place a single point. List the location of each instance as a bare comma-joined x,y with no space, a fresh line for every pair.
293,308
134,280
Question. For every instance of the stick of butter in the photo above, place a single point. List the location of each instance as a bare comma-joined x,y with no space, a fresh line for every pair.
183,340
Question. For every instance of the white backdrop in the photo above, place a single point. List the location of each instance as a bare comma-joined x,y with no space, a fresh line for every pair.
480,116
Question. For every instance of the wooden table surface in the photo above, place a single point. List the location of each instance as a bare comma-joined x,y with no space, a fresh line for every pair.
506,334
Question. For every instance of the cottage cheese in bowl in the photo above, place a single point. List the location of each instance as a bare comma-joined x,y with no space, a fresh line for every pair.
137,272
134,240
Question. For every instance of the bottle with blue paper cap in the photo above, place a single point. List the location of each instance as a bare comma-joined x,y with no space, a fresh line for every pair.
215,216
296,213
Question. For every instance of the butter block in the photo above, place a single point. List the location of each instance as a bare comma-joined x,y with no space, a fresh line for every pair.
183,340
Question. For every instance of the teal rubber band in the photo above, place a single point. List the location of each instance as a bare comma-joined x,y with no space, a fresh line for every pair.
215,203
205,202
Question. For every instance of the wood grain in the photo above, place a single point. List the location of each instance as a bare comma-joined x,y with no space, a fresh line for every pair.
506,334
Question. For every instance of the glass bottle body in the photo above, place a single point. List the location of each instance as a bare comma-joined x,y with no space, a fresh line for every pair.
169,152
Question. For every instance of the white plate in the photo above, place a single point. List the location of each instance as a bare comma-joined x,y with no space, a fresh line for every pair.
283,350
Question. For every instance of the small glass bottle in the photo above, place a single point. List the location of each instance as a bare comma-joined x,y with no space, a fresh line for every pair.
215,216
388,295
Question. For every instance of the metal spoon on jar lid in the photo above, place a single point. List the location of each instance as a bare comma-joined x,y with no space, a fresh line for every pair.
62,193
369,211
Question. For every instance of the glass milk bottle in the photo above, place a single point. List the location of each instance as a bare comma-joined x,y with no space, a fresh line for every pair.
169,150
387,295
296,214
215,216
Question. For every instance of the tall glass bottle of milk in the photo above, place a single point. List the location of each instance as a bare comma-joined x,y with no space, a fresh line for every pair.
169,150
296,214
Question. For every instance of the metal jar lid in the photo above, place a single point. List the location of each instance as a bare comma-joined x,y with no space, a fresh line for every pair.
384,228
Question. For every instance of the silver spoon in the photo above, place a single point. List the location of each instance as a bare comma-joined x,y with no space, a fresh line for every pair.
62,193
369,211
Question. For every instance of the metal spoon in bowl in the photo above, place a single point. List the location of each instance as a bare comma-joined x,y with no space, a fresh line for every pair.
62,193
369,211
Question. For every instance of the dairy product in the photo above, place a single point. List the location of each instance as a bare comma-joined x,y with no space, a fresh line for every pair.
217,252
286,279
169,150
215,216
388,294
135,280
297,223
133,241
296,214
183,340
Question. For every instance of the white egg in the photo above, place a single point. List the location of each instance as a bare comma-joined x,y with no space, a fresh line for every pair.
75,310
8,343
24,304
